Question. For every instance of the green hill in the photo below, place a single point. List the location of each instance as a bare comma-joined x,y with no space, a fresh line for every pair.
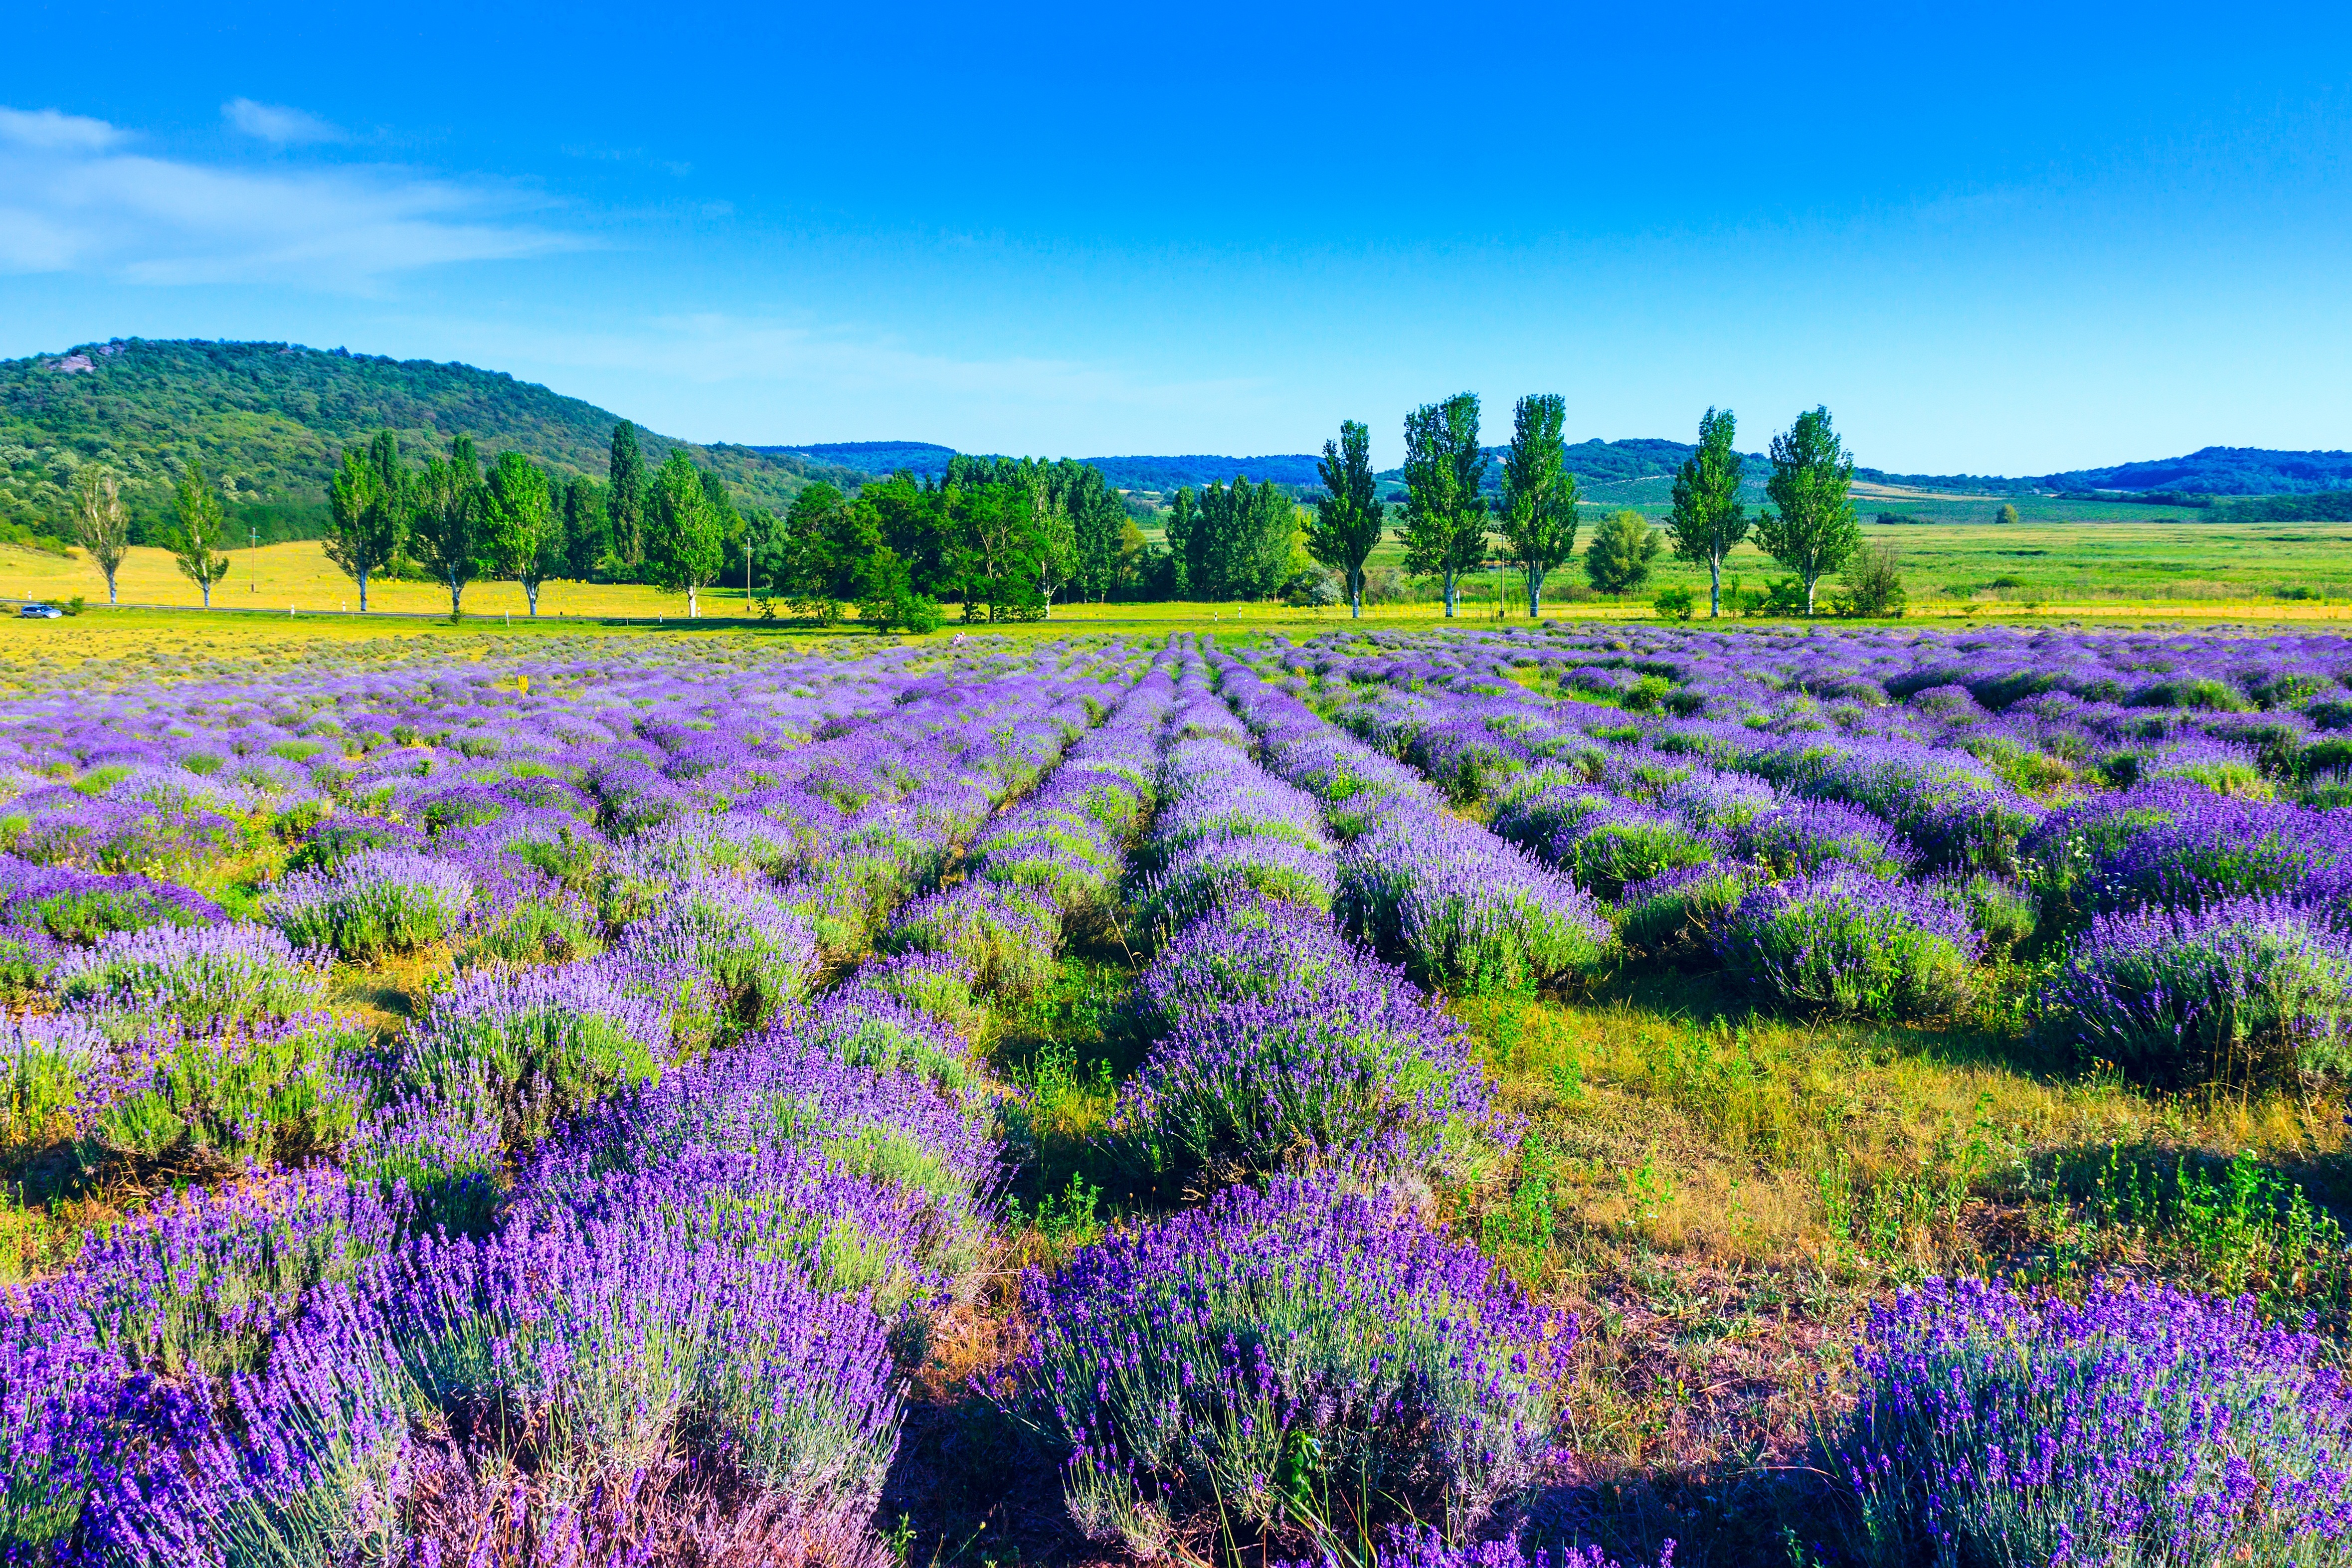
269,421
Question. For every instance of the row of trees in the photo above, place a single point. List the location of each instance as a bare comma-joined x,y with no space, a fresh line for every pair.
1450,528
457,522
1003,536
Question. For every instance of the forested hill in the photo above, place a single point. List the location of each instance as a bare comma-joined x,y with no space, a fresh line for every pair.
271,419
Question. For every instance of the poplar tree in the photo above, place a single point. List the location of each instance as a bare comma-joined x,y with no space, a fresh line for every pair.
1708,519
203,520
1348,522
101,523
522,533
444,520
625,499
1445,531
1538,517
368,507
1812,531
684,545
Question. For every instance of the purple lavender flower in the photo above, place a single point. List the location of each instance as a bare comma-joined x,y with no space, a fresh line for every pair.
1271,1348
2142,1425
2242,989
1849,944
194,973
377,901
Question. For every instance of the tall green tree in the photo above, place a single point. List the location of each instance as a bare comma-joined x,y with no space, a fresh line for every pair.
1537,515
992,514
1240,540
1813,530
625,499
444,521
1096,516
1187,546
1708,519
202,522
1618,559
1055,533
1348,519
368,508
101,523
826,543
684,542
1445,531
587,528
522,533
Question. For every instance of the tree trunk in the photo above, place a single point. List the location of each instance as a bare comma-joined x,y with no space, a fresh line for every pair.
206,589
363,590
1356,592
531,595
110,588
456,590
1811,583
1449,594
1534,593
692,608
1714,588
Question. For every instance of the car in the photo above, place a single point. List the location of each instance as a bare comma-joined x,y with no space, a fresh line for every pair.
36,610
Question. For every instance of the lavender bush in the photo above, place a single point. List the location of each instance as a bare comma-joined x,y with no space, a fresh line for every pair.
1848,944
2142,1427
1304,1362
196,974
2242,989
1270,1062
376,901
1461,910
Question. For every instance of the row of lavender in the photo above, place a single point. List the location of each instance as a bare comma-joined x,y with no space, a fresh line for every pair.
1302,1354
1836,852
619,1238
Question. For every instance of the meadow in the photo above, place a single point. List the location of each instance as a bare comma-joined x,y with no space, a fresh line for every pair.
1384,1093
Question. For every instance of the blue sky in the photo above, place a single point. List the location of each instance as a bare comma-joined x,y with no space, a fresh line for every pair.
2005,239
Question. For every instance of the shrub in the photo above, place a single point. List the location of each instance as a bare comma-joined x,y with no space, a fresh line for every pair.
376,901
2144,1426
715,930
1462,910
1668,916
263,1094
81,907
533,1047
1626,843
1674,604
52,1066
1213,875
1847,944
1237,953
2246,988
1349,1066
1006,934
1803,837
1623,545
1287,1358
195,973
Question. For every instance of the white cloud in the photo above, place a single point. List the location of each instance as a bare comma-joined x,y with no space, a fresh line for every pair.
45,129
275,122
69,201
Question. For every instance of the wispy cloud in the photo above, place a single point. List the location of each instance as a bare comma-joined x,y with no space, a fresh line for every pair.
276,123
49,131
73,199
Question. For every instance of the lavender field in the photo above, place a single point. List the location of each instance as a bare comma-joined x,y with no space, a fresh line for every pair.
1609,1096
